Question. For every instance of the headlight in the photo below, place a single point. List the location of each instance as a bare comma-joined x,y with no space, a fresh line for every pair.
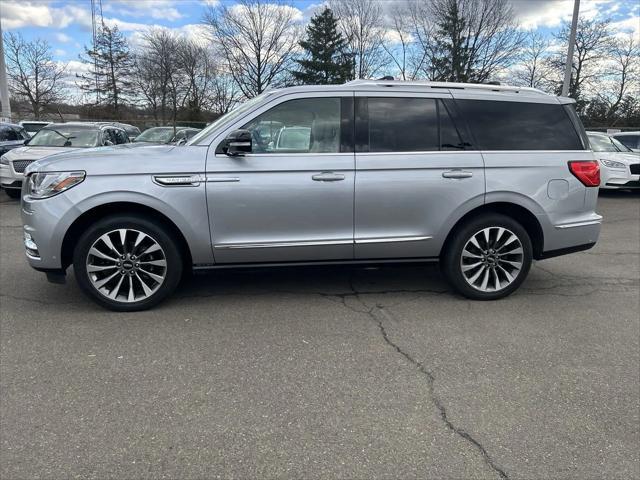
45,185
4,160
612,164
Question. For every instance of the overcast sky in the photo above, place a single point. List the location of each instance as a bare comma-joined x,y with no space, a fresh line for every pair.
66,24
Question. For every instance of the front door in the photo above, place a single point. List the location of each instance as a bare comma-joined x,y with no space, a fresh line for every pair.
291,198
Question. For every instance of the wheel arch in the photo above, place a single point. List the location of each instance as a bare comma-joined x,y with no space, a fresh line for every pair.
517,212
96,213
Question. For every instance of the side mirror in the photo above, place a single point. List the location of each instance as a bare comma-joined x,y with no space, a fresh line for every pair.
238,143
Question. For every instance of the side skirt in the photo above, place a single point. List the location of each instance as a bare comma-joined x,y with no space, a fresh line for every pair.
375,261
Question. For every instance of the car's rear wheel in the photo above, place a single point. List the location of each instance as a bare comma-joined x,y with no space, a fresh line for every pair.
489,257
12,192
127,263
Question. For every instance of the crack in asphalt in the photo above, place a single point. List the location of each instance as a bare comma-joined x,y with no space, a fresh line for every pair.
430,378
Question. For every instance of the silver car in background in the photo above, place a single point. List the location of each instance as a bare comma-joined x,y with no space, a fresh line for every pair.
484,179
52,139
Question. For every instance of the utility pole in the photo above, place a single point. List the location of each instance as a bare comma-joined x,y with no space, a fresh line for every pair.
4,85
572,41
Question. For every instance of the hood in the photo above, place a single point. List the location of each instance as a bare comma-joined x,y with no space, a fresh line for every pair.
625,157
123,159
36,153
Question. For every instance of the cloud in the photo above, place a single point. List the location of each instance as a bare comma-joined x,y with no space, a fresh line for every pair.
628,26
156,9
59,52
62,37
533,14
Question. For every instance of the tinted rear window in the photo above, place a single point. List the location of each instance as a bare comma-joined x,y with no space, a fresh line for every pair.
519,125
403,124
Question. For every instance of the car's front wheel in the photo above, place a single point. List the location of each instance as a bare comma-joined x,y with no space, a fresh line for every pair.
488,258
127,263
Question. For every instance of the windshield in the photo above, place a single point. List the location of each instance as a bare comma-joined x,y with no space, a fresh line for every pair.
65,137
230,116
602,143
156,135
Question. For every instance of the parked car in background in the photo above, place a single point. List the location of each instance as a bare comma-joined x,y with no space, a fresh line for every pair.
482,178
132,131
33,126
166,135
11,136
51,139
629,139
619,165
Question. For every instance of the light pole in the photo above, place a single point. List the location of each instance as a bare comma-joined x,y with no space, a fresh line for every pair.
4,86
572,41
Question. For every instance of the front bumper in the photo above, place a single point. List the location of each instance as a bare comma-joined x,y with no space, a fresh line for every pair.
44,227
9,178
617,178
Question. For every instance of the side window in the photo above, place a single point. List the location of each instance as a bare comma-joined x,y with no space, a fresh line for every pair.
402,124
121,135
306,125
8,134
109,136
22,133
449,135
519,125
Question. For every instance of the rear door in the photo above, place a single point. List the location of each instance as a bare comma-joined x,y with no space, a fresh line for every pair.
415,168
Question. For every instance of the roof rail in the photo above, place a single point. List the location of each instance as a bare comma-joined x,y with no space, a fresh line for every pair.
447,85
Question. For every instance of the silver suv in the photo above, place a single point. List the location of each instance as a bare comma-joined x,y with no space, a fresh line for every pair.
483,178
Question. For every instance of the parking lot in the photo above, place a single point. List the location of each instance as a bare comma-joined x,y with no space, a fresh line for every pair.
332,372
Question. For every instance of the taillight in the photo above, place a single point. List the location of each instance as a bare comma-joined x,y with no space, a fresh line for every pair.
587,171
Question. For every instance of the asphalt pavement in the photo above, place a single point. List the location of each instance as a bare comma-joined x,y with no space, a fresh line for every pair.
328,372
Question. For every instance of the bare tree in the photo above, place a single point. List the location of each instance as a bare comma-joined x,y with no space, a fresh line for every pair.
466,40
623,71
257,41
362,24
594,42
159,63
400,44
197,68
533,69
224,94
34,76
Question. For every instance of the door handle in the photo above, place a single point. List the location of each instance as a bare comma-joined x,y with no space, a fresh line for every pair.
327,177
457,174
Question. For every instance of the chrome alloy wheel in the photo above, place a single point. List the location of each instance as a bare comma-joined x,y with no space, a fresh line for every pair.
126,265
492,259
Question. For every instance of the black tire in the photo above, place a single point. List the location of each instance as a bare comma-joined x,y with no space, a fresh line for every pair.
452,257
172,271
12,192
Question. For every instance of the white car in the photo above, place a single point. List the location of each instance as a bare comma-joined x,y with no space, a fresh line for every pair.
619,165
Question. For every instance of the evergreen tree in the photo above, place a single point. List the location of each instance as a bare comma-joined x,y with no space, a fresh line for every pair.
110,67
452,62
326,61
